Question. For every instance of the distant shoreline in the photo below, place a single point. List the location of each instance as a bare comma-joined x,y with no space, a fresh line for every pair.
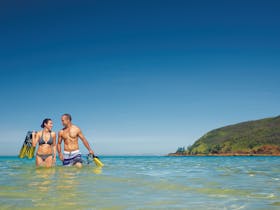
170,155
220,155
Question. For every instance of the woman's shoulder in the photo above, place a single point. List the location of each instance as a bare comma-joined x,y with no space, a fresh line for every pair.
39,133
53,133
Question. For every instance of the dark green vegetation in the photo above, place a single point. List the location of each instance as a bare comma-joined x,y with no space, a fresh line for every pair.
252,137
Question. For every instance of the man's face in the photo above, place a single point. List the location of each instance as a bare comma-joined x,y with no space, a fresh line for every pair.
65,120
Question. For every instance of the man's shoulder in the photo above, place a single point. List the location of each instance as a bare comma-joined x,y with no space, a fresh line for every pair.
75,127
61,131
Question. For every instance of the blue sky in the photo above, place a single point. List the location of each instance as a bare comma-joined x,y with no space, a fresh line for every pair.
139,77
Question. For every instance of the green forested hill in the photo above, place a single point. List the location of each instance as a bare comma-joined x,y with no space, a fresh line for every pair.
252,137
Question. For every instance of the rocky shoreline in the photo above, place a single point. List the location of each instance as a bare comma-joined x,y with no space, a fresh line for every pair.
265,150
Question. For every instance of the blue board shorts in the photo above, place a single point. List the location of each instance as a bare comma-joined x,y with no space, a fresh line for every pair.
71,158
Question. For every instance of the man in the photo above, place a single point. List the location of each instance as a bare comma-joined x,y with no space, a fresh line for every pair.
70,135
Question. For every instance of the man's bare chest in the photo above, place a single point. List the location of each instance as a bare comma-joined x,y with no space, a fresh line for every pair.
69,134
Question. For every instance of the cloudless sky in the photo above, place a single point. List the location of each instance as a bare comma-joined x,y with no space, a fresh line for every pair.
138,77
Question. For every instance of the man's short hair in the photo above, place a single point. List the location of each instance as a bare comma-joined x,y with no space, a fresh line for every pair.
68,116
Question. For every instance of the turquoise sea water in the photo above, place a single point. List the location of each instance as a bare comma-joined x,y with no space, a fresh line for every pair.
144,183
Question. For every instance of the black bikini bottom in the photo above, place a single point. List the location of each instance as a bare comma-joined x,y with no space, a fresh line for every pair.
44,157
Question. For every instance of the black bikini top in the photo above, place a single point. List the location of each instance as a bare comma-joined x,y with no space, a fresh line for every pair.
42,141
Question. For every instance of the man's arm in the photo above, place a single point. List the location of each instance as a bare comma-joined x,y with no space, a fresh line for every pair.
59,145
85,141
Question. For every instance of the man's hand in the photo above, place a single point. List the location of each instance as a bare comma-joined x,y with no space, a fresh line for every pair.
91,152
61,156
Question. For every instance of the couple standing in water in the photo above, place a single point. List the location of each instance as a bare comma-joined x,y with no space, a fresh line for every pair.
46,138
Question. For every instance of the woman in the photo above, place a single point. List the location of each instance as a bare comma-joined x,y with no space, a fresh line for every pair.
46,153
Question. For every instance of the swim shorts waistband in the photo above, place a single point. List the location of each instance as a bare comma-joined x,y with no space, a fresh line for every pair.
72,152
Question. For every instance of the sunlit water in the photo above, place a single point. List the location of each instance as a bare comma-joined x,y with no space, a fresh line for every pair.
144,183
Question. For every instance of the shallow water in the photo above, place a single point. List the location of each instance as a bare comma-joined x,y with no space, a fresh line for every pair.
144,183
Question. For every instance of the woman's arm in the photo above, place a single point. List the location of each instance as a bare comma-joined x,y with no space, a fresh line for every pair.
35,138
54,146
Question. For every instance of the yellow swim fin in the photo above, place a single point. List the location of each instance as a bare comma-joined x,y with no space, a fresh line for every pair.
27,150
30,153
95,159
22,151
98,162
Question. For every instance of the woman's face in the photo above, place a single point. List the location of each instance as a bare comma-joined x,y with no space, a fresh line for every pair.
49,125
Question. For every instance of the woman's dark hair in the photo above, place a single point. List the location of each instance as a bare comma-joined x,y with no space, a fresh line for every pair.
45,121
